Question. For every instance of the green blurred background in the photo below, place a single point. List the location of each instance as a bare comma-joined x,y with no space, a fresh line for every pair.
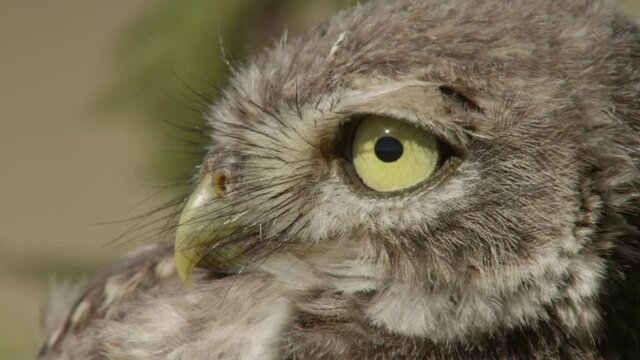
92,98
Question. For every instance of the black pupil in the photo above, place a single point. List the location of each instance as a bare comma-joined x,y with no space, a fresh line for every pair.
388,149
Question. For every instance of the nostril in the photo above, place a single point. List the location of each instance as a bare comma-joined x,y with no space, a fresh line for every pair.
219,168
219,182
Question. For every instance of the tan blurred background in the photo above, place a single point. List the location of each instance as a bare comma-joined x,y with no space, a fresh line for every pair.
63,166
61,169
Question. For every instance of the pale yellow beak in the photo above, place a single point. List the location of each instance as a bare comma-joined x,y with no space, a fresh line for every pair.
201,225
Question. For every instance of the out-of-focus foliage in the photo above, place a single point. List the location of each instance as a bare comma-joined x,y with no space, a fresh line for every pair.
175,58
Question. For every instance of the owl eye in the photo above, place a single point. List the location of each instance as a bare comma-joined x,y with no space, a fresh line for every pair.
389,155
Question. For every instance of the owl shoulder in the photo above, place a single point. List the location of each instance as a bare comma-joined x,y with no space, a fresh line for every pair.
140,309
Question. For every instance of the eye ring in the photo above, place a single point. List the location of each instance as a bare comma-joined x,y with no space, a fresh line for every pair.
389,150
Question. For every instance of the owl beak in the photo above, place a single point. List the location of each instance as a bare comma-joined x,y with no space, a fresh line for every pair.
200,227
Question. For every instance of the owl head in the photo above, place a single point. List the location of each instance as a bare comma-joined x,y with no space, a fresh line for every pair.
483,155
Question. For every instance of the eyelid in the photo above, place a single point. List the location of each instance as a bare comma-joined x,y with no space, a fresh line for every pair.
452,137
422,104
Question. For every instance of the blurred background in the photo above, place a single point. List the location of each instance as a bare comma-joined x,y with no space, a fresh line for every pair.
98,101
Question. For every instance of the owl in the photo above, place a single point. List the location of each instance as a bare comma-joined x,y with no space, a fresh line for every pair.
412,179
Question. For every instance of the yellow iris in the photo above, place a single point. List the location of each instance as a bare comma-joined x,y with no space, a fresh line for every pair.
389,155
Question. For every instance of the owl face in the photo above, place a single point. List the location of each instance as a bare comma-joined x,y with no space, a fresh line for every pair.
440,200
423,147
